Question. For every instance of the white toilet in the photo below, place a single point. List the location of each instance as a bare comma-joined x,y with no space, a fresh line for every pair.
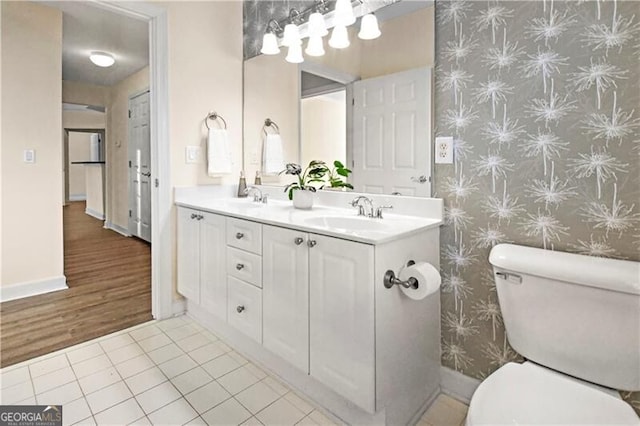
576,319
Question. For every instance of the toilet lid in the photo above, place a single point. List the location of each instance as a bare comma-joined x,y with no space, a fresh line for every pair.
519,394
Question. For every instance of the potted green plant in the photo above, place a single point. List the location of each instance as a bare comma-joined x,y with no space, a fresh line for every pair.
301,191
336,177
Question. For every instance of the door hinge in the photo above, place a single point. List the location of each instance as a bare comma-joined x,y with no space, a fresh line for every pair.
157,182
129,113
353,101
129,163
129,213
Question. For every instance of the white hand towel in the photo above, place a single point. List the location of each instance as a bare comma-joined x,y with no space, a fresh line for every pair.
218,152
272,156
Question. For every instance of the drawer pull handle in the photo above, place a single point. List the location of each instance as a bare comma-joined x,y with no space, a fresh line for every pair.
312,243
239,236
298,241
239,266
240,309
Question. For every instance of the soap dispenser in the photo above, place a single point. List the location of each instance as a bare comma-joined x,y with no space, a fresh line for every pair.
258,180
242,186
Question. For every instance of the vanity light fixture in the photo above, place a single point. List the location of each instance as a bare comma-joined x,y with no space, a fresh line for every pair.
339,37
369,29
102,59
291,32
294,55
315,46
317,26
270,40
344,15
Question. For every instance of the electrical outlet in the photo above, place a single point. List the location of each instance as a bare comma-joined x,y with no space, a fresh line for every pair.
444,150
29,156
192,154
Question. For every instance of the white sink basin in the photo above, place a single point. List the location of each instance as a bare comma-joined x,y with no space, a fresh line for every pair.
347,223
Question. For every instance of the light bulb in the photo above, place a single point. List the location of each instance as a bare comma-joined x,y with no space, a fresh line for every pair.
102,59
295,54
291,35
317,26
270,44
369,27
344,13
315,46
339,37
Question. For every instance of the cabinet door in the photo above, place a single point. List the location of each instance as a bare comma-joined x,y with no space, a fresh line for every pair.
189,254
341,312
213,278
285,294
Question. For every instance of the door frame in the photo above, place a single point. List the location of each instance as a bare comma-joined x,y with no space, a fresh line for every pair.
161,229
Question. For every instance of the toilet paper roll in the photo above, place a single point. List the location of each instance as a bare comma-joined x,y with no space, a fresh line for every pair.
428,280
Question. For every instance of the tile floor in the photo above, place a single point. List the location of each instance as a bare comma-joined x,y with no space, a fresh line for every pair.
170,372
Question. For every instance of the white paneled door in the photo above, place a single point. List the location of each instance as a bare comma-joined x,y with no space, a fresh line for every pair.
391,133
139,167
342,318
285,294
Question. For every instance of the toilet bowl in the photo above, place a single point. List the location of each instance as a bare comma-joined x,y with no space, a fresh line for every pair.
526,394
576,319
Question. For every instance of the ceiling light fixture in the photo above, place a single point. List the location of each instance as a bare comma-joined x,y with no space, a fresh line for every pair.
102,59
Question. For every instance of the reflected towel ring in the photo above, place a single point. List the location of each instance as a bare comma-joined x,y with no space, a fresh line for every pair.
214,116
269,123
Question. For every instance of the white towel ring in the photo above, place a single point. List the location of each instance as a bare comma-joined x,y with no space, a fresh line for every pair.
270,123
214,116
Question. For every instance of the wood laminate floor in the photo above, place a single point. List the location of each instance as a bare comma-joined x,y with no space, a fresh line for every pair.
109,279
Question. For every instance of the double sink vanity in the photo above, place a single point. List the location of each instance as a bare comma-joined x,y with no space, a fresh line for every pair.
301,292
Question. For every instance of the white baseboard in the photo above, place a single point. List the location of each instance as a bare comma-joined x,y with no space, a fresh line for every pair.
179,307
94,213
77,197
457,385
117,228
32,288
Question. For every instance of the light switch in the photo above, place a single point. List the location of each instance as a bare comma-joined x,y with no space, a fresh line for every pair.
192,154
29,156
444,150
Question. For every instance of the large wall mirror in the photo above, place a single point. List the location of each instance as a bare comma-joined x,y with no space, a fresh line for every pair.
368,105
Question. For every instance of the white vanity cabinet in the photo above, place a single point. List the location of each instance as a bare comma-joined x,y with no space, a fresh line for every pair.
201,260
285,294
318,309
342,322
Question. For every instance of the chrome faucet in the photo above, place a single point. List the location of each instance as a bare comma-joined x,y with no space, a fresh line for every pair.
257,194
362,209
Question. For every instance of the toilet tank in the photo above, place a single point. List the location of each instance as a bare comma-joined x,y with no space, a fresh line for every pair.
576,314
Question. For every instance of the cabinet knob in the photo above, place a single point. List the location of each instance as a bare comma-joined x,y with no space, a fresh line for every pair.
298,241
239,236
239,266
193,215
312,243
240,309
200,217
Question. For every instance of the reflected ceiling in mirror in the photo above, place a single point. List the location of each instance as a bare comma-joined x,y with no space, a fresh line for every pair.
368,105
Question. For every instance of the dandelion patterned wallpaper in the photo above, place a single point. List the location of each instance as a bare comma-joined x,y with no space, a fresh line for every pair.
543,99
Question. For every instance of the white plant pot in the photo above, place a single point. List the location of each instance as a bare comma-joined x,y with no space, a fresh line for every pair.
303,199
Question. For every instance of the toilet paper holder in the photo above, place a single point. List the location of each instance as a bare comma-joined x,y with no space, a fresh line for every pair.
390,279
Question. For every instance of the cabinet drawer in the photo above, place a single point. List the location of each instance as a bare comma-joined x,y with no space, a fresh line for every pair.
245,308
244,235
244,266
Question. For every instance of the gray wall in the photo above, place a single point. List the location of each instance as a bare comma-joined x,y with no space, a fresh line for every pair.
542,105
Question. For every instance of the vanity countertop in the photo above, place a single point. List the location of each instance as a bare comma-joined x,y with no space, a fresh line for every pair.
324,220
